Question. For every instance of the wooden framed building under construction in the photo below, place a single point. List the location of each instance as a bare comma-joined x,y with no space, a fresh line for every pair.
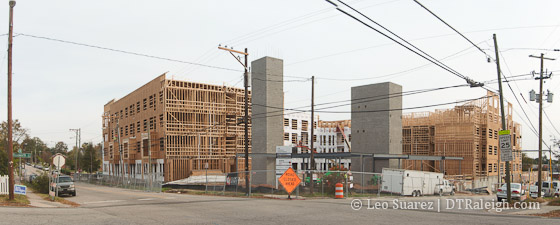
468,130
170,129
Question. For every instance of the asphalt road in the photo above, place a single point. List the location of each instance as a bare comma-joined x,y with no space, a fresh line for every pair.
105,205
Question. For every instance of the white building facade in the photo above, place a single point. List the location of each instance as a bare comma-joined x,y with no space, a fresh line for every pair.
329,137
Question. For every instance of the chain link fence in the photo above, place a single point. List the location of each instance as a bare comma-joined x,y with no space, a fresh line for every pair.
148,183
265,183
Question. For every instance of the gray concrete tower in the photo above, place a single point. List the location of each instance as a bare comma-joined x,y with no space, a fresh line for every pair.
267,129
376,125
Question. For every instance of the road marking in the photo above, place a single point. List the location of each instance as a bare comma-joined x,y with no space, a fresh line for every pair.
145,199
107,201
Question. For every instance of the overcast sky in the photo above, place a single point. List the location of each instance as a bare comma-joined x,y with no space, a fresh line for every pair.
58,86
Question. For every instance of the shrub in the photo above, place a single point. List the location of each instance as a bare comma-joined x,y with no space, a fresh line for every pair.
41,184
334,177
65,171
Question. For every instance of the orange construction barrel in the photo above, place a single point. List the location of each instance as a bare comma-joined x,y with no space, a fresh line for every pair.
339,191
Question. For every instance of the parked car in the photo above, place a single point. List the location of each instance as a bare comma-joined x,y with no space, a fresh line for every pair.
557,193
445,187
516,192
549,188
534,190
65,185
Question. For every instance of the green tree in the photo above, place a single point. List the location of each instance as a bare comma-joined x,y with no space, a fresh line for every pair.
526,161
60,147
3,163
89,160
18,134
35,146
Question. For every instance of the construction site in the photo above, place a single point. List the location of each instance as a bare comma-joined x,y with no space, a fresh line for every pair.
468,130
173,129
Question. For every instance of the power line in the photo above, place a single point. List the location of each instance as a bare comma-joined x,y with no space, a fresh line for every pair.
353,101
483,52
128,52
550,121
395,73
425,56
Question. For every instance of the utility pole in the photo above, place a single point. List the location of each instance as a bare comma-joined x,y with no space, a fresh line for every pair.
77,146
541,77
246,117
504,126
312,133
120,151
149,157
10,141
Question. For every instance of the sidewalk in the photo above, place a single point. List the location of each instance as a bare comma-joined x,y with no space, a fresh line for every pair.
36,201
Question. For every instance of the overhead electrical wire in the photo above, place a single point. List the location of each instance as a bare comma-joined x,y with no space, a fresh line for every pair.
424,55
443,21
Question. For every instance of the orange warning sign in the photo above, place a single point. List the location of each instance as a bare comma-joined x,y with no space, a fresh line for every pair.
289,180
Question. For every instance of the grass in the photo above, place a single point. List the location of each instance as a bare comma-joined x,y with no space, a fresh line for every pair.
58,199
19,200
554,213
554,202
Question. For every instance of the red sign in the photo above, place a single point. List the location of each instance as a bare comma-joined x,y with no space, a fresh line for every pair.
289,180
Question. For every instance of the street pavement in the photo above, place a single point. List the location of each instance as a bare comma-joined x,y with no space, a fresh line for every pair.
106,205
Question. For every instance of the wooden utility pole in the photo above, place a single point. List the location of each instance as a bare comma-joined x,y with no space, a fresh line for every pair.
77,148
10,140
246,117
541,78
504,126
312,161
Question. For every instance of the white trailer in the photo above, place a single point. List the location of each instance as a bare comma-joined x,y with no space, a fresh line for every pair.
414,182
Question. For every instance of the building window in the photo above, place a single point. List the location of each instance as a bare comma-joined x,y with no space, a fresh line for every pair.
126,112
286,136
132,129
138,126
294,124
489,133
160,97
286,122
144,104
495,134
137,107
305,138
151,101
294,138
314,138
304,125
126,130
145,125
495,150
495,167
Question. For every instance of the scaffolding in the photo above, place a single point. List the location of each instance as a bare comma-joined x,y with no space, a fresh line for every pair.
182,126
468,130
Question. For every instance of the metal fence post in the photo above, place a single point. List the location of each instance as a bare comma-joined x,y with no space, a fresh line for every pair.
250,182
379,186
